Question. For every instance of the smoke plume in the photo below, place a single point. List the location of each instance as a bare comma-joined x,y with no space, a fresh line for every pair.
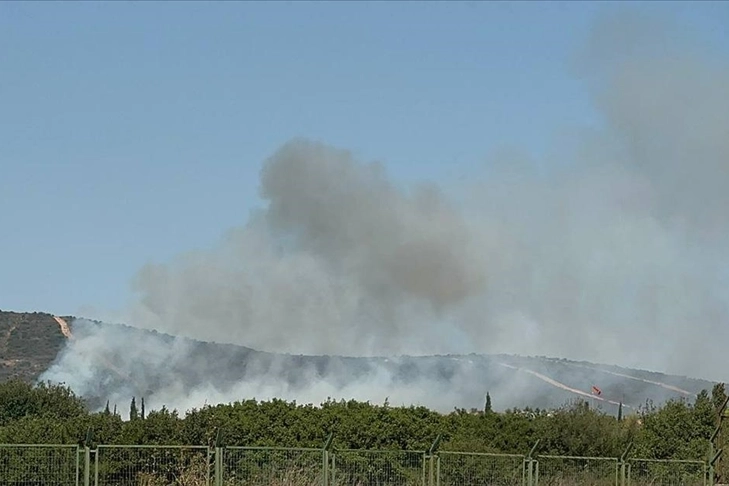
341,261
617,254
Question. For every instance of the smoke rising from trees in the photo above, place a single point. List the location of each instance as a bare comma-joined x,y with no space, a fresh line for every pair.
618,254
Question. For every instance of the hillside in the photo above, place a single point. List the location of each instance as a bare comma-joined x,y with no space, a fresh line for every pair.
29,342
109,361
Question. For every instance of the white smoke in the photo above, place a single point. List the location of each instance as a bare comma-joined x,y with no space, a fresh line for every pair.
618,256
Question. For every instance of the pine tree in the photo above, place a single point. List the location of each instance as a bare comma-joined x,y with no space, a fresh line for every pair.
142,409
620,412
133,413
487,407
106,409
115,413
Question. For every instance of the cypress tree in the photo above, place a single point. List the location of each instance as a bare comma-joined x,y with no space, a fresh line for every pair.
133,413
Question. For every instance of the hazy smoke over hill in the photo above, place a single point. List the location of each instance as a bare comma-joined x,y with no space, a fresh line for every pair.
341,261
618,254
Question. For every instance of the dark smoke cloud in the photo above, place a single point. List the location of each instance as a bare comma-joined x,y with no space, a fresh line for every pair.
395,246
618,255
341,261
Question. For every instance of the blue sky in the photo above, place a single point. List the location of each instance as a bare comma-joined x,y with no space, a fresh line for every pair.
132,132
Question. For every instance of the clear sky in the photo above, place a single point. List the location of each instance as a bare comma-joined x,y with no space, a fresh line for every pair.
131,132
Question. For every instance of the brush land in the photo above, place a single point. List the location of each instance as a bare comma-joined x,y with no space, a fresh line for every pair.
30,343
679,427
52,414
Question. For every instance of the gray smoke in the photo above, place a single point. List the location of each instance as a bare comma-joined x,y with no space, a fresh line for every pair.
341,261
617,255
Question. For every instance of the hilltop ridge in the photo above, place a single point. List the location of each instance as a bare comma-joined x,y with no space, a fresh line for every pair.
33,346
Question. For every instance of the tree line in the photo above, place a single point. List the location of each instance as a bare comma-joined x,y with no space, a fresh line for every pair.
679,429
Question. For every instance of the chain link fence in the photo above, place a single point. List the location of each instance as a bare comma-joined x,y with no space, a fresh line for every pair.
577,471
378,468
656,472
259,466
31,465
152,466
123,465
470,469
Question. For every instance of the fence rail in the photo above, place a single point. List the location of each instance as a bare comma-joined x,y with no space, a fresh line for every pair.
126,465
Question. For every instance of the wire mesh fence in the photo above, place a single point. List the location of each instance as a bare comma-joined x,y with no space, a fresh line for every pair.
658,472
152,466
577,471
378,468
470,469
36,465
118,465
253,466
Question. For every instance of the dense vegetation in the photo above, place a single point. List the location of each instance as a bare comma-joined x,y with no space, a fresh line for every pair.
53,414
678,429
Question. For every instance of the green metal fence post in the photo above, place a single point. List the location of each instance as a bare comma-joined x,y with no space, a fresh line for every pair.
432,479
87,466
423,472
431,471
710,455
87,457
707,475
622,465
210,465
218,466
325,459
96,467
218,460
532,466
712,465
333,477
434,446
78,465
713,446
524,472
